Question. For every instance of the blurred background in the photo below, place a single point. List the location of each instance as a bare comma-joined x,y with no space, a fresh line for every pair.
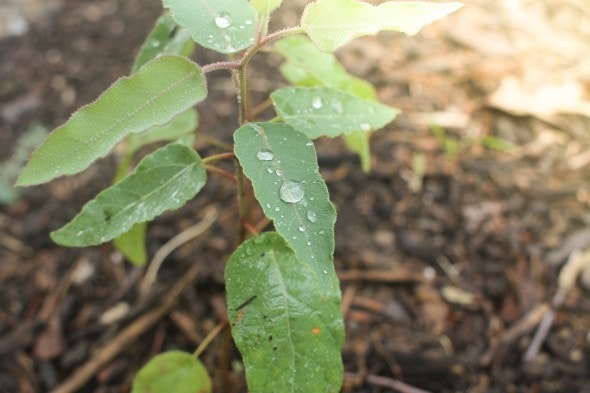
463,255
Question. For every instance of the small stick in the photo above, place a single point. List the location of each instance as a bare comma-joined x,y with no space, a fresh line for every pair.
212,334
104,355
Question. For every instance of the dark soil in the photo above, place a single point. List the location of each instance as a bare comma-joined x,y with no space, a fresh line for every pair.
446,275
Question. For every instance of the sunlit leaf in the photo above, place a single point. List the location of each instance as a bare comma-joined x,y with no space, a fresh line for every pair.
164,180
307,66
322,111
332,23
166,38
226,26
172,371
282,165
153,96
287,328
132,244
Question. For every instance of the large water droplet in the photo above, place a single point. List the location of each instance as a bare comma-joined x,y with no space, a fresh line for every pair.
265,155
312,216
223,20
316,102
291,192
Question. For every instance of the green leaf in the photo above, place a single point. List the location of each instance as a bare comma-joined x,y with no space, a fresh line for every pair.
162,181
332,23
153,96
227,26
172,371
132,244
307,66
322,111
358,142
182,125
166,38
288,330
282,165
265,7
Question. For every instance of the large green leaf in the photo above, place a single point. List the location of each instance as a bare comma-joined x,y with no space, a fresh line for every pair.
332,23
226,26
153,96
282,165
172,371
162,181
307,66
166,38
289,331
323,111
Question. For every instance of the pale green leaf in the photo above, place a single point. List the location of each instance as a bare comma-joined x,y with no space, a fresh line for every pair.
132,244
172,371
322,111
153,96
166,38
307,66
282,165
182,125
164,180
265,7
288,330
332,23
359,143
227,26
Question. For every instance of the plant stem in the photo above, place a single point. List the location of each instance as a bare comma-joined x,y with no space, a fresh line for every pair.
207,340
222,65
217,157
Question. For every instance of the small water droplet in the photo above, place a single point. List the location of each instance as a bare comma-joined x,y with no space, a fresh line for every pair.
223,20
279,172
316,102
309,242
80,233
268,205
337,106
291,192
269,170
365,126
309,144
301,229
325,272
264,155
248,22
321,232
312,216
277,208
155,44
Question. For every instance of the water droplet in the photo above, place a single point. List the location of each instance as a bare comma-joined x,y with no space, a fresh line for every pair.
309,242
248,22
268,205
309,144
337,106
312,216
277,208
223,20
291,192
365,126
301,229
316,102
80,233
325,272
279,172
265,155
269,170
155,44
321,232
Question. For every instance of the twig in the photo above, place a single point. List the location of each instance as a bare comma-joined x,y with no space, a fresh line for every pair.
212,334
386,382
173,244
104,355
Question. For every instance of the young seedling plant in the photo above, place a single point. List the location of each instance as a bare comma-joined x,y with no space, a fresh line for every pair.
283,294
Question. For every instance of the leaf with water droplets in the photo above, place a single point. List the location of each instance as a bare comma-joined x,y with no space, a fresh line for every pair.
288,330
166,38
226,26
332,23
323,111
172,371
154,95
164,180
289,190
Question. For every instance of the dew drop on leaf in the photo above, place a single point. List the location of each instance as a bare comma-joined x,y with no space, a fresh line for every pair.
223,20
312,216
301,229
365,126
316,102
264,155
291,192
